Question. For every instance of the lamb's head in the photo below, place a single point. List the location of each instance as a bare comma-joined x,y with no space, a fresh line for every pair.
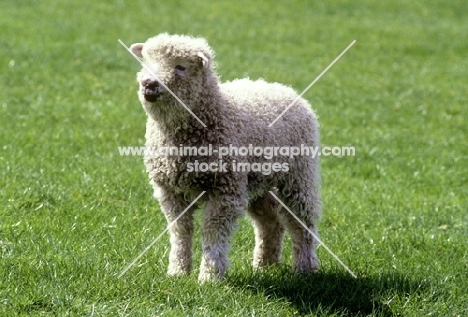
180,63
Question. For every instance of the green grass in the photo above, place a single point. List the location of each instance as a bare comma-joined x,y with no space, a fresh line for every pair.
73,212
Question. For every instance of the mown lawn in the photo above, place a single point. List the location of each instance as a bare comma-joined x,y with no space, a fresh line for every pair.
74,213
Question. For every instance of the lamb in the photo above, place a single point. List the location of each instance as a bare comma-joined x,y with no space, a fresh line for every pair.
235,114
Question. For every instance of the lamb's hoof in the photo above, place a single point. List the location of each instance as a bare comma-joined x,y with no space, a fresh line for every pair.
266,267
208,277
178,271
308,267
176,274
306,271
264,262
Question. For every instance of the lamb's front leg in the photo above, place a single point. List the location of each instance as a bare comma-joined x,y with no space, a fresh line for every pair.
219,223
269,231
181,232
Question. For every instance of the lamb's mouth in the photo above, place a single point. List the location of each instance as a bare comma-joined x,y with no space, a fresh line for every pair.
151,90
151,95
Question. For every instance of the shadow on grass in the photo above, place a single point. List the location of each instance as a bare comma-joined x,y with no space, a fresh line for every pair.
331,292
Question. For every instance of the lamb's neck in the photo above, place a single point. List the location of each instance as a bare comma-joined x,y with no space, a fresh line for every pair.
210,103
204,123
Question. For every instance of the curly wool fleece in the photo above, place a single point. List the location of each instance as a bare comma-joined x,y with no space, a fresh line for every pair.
235,113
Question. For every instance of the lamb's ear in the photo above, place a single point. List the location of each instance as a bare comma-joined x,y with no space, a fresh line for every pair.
136,49
204,60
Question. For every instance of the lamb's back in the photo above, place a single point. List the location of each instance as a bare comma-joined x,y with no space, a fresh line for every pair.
258,103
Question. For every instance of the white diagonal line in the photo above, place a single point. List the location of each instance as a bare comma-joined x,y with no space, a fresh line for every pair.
314,235
312,83
162,84
158,237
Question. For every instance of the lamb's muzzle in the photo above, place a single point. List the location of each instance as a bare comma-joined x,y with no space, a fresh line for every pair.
151,89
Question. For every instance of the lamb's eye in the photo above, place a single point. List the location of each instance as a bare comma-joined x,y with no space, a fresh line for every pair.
180,71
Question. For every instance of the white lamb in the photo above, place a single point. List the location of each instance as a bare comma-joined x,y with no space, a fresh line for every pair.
236,114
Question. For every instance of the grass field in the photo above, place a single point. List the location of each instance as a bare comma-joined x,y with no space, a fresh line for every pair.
74,213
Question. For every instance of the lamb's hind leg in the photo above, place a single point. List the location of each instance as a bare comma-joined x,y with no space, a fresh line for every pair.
269,231
306,206
181,232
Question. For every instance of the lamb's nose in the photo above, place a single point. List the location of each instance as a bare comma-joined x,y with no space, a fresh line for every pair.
150,83
151,89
